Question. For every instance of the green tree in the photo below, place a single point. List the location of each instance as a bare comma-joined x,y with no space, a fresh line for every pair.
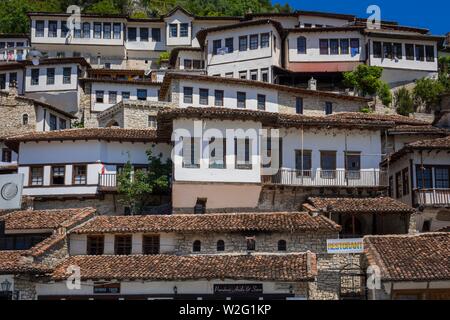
365,79
427,93
136,187
384,92
104,7
404,102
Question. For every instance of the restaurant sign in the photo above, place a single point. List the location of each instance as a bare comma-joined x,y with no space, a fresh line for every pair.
243,288
343,246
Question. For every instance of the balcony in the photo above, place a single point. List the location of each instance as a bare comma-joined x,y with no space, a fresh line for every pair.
433,197
327,178
107,182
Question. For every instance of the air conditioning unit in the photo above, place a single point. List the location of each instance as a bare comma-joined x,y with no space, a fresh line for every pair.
11,186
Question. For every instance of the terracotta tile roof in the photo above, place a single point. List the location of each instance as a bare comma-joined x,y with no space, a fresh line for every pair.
108,134
46,219
286,267
143,82
15,262
423,257
413,129
253,84
380,205
45,245
228,222
396,118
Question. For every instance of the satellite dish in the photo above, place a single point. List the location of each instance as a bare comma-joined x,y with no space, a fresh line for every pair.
34,56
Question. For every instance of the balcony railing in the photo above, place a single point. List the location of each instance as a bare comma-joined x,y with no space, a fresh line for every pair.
327,178
107,181
439,197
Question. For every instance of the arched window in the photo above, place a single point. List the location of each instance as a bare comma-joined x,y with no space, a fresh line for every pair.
220,245
301,45
282,245
197,246
25,119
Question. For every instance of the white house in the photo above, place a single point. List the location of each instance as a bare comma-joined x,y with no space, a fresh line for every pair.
14,47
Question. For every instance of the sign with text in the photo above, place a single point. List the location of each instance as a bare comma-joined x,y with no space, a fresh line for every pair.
243,288
343,246
113,288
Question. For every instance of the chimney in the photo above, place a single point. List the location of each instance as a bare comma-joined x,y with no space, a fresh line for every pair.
312,84
13,89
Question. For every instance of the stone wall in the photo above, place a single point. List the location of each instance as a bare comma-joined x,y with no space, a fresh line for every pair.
316,105
25,286
12,111
89,117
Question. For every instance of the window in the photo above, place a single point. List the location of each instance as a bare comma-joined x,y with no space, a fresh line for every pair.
405,181
117,30
142,94
112,97
6,155
200,206
282,245
299,105
398,185
242,154
254,75
12,78
58,175
328,164
344,46
429,52
152,122
187,94
409,50
143,34
125,95
217,44
99,96
53,122
243,75
40,28
50,76
424,177
25,119
156,34
251,243
420,52
220,245
67,75
77,33
217,153
62,124
95,245
387,50
303,163
391,187
243,43
107,31
354,47
229,45
79,174
197,64
301,45
122,244
229,74
37,176
353,165
184,29
441,178
334,46
377,49
323,44
204,93
253,41
187,63
265,75
52,29
196,246
2,81
150,244
97,30
328,108
308,25
60,54
86,30
218,98
241,97
265,40
34,77
261,101
173,30
131,34
191,150
398,51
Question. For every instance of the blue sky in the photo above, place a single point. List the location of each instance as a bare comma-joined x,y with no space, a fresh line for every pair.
430,14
